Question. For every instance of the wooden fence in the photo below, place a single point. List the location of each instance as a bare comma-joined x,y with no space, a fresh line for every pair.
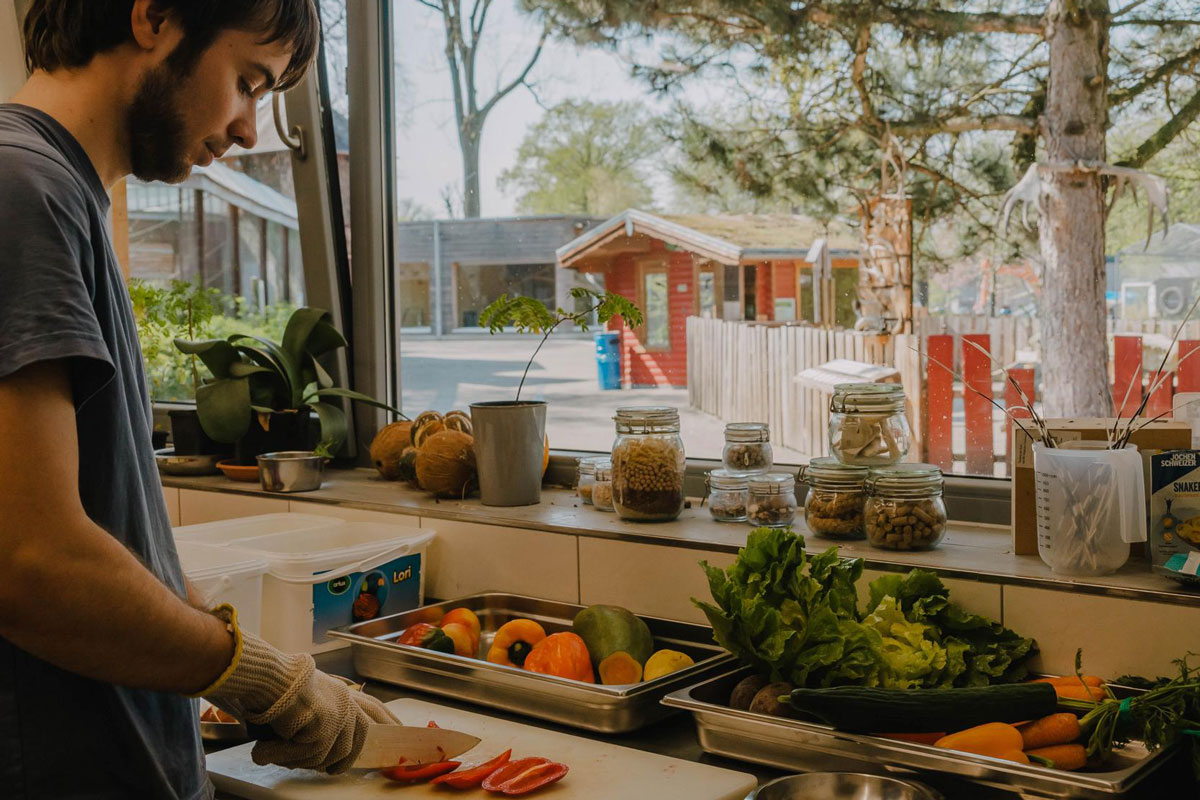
746,371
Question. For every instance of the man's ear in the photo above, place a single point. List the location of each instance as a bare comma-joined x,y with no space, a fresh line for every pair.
151,26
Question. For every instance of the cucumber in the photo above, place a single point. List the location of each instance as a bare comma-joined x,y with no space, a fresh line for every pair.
861,710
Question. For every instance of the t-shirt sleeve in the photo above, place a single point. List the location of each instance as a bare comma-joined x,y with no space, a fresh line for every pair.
47,273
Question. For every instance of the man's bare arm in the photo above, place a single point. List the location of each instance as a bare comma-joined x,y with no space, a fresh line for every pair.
70,593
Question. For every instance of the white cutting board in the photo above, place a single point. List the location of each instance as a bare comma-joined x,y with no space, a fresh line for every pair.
598,770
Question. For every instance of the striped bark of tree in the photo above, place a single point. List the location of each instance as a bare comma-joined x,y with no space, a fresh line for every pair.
1071,227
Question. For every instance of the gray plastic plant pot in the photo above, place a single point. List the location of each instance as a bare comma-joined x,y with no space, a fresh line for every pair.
509,446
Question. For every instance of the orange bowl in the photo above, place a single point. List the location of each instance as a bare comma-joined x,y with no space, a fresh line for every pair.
239,472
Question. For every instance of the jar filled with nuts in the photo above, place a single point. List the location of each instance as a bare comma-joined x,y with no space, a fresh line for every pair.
905,509
836,496
748,448
587,477
648,464
867,424
728,496
772,500
602,491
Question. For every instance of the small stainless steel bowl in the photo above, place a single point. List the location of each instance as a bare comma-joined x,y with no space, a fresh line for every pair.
844,786
291,471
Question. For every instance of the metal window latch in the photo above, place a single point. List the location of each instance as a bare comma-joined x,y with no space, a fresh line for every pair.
293,138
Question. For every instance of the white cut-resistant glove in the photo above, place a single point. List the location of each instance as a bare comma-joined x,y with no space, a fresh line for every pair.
322,722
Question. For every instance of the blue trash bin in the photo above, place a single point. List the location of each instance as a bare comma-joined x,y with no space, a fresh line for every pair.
608,359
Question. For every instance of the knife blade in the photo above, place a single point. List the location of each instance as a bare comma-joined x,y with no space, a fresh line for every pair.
390,745
396,745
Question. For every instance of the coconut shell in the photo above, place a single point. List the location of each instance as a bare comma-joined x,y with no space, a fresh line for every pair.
446,464
388,446
420,421
458,421
408,465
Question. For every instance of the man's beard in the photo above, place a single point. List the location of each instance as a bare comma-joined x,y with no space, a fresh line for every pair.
157,150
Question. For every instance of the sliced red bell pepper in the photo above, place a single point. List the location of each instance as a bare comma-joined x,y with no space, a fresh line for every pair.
420,772
431,724
471,777
524,776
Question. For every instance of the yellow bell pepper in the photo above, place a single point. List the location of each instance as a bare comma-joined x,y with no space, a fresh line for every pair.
514,641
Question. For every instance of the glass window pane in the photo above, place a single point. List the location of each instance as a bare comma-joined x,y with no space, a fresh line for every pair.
658,322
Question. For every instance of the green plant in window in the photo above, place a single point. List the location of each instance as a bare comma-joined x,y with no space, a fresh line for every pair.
528,315
253,374
163,313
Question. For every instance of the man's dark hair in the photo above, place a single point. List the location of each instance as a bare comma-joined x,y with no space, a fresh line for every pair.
69,33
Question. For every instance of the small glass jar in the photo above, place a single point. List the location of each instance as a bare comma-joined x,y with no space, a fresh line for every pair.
867,424
772,500
648,464
587,477
748,448
905,509
836,496
728,496
602,489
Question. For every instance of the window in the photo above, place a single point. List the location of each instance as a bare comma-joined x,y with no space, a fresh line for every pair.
774,242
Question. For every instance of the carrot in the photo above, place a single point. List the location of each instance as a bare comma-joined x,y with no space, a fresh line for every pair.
1072,680
915,738
1063,756
1054,729
993,739
1092,694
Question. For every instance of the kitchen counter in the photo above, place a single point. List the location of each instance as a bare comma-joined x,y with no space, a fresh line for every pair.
676,737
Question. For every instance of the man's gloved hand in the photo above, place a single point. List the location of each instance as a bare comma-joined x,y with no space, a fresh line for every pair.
322,723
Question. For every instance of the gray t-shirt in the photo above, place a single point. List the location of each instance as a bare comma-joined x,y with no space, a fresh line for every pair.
63,297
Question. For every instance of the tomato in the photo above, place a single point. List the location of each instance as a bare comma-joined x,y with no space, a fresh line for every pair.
471,777
415,634
420,772
524,776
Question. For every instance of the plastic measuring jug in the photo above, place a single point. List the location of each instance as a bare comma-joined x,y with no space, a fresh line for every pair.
1091,504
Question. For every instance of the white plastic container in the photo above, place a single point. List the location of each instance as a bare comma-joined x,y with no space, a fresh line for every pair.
1091,504
231,530
222,575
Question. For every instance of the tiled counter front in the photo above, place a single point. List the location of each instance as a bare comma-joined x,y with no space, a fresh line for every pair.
1118,635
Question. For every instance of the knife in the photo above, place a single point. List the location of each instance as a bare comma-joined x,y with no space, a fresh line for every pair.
395,745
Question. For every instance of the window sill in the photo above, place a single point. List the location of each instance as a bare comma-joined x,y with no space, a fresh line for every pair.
970,551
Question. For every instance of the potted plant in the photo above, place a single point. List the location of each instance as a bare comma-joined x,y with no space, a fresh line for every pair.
163,313
510,434
261,392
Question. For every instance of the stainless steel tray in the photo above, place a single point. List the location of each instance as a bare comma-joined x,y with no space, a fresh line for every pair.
804,746
593,707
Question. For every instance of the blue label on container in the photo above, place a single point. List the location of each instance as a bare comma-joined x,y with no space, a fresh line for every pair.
387,589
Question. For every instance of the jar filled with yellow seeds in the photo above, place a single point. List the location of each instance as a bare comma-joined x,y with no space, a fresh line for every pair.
648,464
836,496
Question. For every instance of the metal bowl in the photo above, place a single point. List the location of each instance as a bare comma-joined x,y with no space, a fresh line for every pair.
844,786
171,464
291,471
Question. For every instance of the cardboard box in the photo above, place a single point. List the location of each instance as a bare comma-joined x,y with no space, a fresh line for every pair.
1155,437
1174,505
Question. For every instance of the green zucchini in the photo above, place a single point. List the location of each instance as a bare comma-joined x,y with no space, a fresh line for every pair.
861,710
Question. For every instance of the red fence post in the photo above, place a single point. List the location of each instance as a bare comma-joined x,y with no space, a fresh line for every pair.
1161,398
1015,405
939,383
1127,374
977,405
1188,371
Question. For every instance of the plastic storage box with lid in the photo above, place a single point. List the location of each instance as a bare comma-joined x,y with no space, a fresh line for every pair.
326,577
222,575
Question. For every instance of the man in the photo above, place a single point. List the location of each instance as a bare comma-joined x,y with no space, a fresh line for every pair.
99,649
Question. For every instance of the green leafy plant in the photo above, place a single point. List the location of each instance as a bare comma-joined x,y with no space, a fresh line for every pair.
164,313
528,315
253,374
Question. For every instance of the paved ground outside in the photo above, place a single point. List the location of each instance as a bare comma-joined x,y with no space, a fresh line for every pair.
454,372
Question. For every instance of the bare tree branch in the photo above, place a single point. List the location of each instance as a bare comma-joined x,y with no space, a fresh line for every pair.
963,124
1163,136
520,79
1154,77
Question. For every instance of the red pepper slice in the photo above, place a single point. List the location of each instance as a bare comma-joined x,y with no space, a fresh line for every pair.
509,771
471,777
431,724
525,776
420,772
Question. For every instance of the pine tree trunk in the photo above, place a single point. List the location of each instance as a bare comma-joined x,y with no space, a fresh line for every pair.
1071,226
469,145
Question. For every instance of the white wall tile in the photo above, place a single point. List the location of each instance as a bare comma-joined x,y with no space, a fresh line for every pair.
354,514
171,498
196,507
647,579
466,558
1118,636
